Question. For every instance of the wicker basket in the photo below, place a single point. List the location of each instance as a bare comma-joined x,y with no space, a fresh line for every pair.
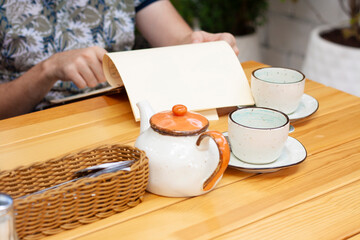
76,203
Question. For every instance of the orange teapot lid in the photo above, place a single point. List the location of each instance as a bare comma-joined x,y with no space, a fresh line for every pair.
179,122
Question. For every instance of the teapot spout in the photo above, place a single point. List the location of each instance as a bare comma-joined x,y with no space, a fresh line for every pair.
146,111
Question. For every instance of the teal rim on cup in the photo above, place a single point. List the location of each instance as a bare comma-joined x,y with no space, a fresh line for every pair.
262,118
278,75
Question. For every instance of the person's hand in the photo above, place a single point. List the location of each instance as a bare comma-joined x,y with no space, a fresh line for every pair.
201,36
81,66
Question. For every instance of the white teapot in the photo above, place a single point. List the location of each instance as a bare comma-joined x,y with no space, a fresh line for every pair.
182,160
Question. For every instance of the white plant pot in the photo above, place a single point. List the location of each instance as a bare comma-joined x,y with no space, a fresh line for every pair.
332,64
249,47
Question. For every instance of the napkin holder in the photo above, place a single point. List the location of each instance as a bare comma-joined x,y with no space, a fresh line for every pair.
77,203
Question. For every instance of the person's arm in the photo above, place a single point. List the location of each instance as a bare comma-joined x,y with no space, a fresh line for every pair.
161,25
82,66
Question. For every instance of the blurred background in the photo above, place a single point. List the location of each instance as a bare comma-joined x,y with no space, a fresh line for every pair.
282,33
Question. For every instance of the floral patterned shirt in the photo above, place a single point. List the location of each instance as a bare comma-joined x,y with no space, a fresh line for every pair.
33,30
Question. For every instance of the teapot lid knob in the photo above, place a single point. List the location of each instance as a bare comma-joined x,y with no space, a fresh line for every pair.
179,110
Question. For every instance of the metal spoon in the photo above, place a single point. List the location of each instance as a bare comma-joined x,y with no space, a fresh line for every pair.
92,171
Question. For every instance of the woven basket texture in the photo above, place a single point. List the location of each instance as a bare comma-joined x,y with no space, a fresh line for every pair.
74,204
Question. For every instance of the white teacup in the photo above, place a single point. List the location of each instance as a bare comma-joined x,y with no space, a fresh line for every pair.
257,135
277,88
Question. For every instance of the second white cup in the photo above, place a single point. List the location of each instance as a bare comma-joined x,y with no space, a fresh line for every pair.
277,88
257,135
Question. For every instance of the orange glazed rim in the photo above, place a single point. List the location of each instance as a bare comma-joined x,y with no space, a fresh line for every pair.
179,122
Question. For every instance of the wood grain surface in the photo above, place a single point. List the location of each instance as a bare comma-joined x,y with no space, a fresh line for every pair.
317,199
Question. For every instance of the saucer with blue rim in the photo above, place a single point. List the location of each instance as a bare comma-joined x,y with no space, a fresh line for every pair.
293,154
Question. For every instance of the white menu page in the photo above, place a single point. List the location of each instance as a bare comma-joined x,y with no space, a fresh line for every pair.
201,76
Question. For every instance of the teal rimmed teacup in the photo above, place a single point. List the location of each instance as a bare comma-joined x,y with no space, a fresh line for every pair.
257,135
278,88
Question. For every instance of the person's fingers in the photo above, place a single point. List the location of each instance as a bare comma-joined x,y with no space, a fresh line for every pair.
236,50
82,66
91,60
98,72
90,68
197,37
85,70
230,39
201,36
100,52
96,66
75,77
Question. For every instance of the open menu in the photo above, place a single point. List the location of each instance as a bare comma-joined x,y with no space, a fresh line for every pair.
202,76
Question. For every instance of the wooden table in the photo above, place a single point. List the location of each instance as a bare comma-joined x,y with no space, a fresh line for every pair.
318,199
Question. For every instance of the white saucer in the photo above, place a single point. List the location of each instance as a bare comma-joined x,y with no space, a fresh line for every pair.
308,105
293,154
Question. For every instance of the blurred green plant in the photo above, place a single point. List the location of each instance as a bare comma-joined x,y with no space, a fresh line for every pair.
238,17
352,9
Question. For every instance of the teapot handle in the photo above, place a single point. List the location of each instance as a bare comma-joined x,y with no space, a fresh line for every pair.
224,153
